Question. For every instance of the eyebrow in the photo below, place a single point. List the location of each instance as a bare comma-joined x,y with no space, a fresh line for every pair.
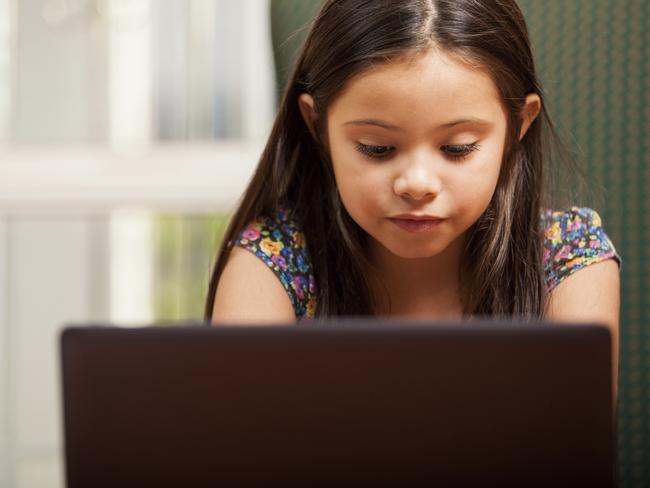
447,125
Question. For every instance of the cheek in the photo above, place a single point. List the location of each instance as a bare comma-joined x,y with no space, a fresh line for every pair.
474,187
359,182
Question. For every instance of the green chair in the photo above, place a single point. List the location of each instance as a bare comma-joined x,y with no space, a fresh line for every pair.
594,60
290,21
594,56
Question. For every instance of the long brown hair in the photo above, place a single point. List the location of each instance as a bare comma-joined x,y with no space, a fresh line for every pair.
502,272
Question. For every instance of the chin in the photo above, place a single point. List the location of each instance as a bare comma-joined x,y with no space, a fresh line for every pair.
414,251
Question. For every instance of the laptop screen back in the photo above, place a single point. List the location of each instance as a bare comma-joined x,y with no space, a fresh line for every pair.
346,403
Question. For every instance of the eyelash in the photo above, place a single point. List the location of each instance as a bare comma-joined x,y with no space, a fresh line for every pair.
461,151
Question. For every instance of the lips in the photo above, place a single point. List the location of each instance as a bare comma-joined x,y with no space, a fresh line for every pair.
416,223
416,217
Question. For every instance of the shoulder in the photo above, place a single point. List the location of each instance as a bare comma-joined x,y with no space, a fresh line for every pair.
573,239
248,293
279,243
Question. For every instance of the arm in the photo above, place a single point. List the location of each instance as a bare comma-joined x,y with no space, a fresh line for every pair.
249,293
591,294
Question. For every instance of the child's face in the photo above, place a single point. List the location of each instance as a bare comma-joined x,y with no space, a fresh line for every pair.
439,133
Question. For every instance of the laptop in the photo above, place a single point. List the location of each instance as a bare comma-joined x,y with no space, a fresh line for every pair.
339,403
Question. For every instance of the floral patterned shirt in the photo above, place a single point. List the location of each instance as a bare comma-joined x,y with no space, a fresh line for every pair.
573,239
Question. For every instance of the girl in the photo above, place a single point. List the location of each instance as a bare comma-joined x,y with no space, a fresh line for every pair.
404,175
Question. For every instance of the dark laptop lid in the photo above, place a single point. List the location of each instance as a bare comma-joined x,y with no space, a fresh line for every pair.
349,403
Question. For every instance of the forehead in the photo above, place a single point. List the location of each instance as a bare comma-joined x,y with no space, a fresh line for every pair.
426,88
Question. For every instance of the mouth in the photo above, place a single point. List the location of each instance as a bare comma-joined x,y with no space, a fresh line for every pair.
416,217
416,224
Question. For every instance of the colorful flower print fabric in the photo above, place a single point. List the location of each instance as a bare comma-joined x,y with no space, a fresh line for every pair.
573,239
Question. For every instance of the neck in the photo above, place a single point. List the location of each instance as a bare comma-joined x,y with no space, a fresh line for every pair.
417,287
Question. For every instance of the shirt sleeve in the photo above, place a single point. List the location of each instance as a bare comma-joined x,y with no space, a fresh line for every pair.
279,243
573,240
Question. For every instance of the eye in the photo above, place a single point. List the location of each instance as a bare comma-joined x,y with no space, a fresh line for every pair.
459,152
375,152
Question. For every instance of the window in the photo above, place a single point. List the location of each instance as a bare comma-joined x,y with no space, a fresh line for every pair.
128,130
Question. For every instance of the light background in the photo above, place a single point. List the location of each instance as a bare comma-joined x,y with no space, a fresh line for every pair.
128,129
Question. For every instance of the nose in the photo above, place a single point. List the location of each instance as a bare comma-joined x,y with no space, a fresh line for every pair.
418,179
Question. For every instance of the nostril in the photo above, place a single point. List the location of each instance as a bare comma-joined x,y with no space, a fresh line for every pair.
419,195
